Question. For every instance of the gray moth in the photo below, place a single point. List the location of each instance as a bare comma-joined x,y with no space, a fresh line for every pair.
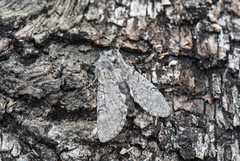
118,84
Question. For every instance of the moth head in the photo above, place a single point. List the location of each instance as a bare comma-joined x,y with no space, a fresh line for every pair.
110,59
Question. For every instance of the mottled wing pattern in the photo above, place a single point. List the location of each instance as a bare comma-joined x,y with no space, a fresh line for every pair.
114,77
147,95
111,109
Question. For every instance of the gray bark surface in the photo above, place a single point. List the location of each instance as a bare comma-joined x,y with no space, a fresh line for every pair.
189,49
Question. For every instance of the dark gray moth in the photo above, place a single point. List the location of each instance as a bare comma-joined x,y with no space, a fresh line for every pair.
119,82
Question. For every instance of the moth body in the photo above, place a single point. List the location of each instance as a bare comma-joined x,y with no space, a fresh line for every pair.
119,86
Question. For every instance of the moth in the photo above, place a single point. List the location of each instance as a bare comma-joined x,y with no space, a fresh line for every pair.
118,84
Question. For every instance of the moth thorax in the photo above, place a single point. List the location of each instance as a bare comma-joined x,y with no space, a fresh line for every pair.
117,73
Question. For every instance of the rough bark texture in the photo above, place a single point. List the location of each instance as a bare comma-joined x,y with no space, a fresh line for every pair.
189,49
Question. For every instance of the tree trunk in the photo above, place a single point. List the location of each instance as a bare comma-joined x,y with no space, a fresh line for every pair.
188,49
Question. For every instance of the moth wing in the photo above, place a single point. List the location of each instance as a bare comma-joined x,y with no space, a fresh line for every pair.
111,110
147,95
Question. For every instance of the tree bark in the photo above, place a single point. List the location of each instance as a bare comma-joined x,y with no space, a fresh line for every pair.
188,49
